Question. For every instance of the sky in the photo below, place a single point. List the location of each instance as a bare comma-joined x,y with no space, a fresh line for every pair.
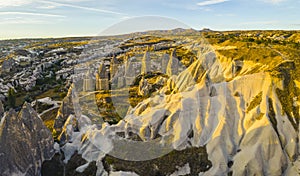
64,18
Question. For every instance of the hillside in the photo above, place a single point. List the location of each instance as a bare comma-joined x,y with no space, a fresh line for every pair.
181,102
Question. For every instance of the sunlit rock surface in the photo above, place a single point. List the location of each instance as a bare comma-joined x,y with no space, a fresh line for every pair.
146,63
120,173
173,64
24,143
67,108
232,108
226,116
242,115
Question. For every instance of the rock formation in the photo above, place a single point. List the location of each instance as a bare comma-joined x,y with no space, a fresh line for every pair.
146,88
117,73
114,66
102,78
7,65
22,52
88,82
173,64
68,106
164,63
236,117
121,82
146,63
231,115
24,143
226,117
236,67
130,71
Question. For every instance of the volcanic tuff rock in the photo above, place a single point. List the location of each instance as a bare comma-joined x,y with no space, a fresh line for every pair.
164,63
88,82
146,63
227,106
7,65
66,109
146,88
24,143
102,78
232,108
232,119
172,68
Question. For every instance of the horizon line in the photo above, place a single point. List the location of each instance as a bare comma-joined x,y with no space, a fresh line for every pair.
93,35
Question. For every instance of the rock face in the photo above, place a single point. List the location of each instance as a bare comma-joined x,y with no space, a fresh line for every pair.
146,63
24,143
22,52
114,66
88,82
146,89
131,70
232,119
243,115
102,78
7,65
164,63
143,87
173,64
129,67
67,108
231,108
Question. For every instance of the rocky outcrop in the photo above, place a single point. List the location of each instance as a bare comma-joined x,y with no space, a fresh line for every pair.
146,63
22,52
210,106
88,82
164,63
25,143
173,64
70,126
227,108
146,87
102,78
226,117
132,70
7,65
68,106
114,66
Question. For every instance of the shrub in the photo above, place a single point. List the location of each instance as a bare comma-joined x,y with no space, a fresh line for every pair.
11,98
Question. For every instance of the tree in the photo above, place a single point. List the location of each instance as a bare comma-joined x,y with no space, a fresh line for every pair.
28,98
11,98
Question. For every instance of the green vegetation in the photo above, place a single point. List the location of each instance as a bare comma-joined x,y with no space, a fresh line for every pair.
164,165
186,57
144,40
106,108
278,50
48,119
151,78
255,102
11,98
56,166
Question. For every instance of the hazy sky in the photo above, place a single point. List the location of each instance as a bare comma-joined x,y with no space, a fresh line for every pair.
57,18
